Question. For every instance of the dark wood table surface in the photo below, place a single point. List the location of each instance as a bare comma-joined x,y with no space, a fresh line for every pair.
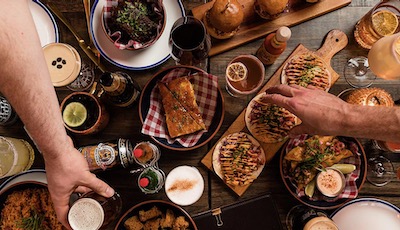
125,122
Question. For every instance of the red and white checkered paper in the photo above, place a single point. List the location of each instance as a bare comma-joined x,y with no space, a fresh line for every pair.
116,35
350,190
206,91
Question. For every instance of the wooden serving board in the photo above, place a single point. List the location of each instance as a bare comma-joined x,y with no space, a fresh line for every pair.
335,41
254,27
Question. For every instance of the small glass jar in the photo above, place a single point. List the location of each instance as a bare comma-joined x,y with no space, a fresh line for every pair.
151,180
146,153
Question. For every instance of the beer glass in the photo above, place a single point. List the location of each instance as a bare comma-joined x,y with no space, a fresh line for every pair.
92,211
189,42
16,155
301,217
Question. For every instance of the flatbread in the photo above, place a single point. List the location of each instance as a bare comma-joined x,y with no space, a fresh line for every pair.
238,159
179,122
306,69
268,123
183,91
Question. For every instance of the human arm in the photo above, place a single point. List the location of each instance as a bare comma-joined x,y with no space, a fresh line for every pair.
325,114
25,81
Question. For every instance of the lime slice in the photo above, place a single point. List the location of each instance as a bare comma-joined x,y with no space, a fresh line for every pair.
344,168
236,71
310,188
74,114
385,22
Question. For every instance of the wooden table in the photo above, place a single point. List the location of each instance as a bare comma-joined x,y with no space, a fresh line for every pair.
126,123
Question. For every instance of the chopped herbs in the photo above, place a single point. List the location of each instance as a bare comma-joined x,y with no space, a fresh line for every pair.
137,19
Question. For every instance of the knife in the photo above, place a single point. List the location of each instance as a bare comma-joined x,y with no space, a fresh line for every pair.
87,49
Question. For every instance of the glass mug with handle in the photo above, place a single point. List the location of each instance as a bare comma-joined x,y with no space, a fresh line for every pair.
92,211
84,113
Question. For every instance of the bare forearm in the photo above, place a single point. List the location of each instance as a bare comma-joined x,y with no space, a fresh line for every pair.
25,79
379,123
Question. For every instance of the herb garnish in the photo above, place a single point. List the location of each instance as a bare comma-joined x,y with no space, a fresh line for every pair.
33,222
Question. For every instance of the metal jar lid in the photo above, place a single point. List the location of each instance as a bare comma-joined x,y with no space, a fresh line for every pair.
7,113
125,152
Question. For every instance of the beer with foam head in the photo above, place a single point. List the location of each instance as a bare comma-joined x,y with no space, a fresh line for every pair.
93,211
86,214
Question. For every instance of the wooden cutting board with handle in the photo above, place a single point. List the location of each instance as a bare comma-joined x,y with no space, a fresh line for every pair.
334,41
253,27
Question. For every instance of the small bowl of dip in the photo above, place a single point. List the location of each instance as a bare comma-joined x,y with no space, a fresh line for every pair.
331,182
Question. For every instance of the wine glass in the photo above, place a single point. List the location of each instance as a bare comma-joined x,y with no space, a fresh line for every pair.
380,170
190,42
357,72
383,61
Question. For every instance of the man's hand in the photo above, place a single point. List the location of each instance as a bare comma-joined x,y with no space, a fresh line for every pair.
320,112
70,173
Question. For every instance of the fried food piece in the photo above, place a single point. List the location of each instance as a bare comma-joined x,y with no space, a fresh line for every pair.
153,224
178,119
168,220
133,223
180,223
149,214
183,91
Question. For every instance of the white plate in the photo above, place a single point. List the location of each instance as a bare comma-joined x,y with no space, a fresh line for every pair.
46,26
147,58
37,175
367,214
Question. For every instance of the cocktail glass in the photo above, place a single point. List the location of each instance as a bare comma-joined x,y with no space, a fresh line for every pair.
16,155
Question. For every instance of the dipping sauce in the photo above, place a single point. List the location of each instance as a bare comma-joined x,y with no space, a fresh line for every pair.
320,223
330,182
146,153
184,185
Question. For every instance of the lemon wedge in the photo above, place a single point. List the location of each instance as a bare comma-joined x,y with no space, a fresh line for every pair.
236,71
74,114
310,188
344,168
385,22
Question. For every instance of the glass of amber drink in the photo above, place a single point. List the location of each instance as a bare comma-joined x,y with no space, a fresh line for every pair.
244,75
16,155
384,57
382,20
